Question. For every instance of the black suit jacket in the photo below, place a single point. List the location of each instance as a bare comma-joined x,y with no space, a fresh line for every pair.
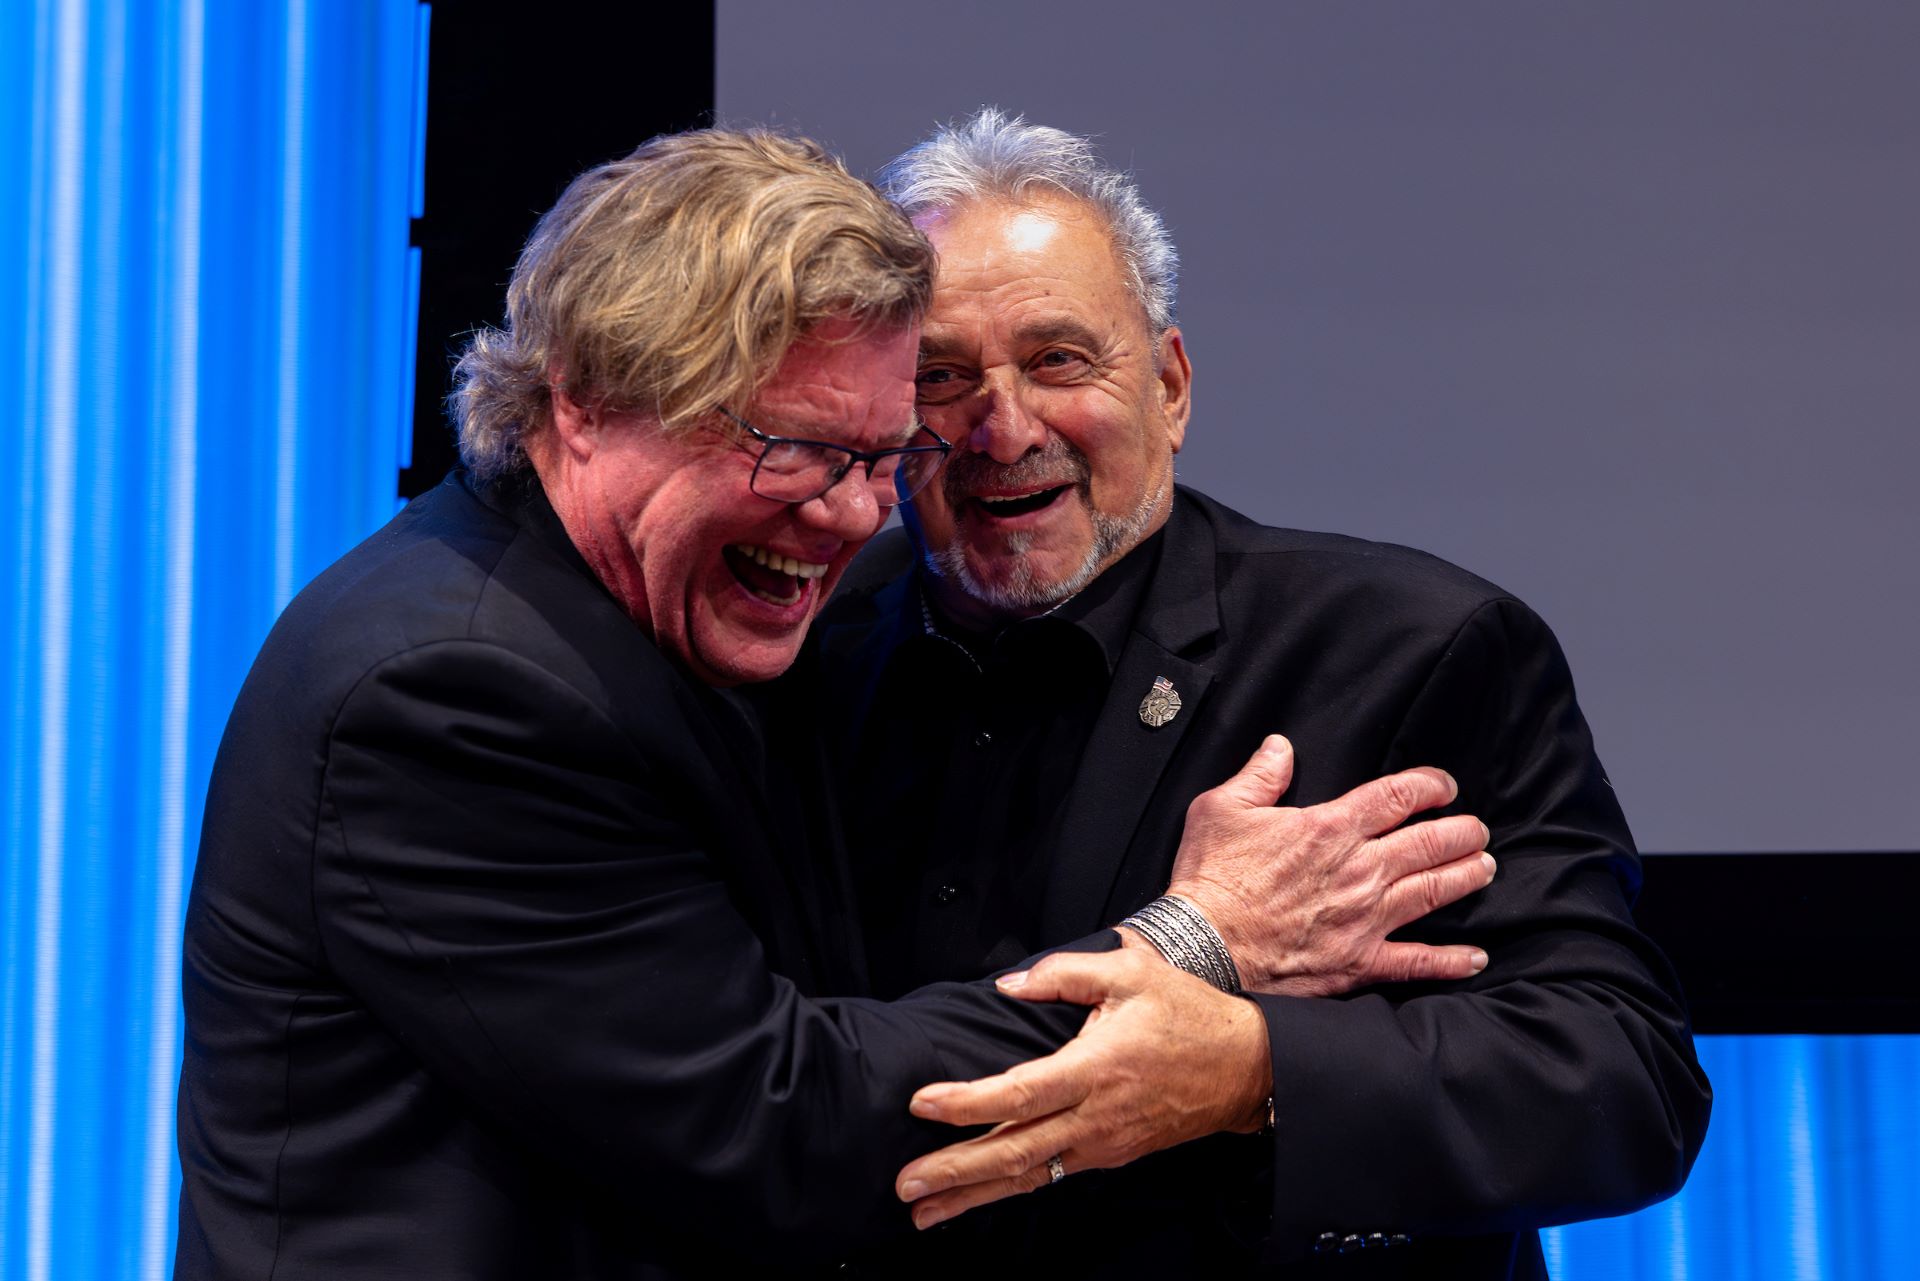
1559,1084
500,951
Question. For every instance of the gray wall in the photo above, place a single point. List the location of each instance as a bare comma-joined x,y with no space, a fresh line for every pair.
1615,304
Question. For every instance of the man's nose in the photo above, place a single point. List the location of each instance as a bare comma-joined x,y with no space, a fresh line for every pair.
1008,430
847,510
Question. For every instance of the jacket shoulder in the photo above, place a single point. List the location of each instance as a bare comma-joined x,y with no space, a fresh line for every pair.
415,580
450,567
1298,568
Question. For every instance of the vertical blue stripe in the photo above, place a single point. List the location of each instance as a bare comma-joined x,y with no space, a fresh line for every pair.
26,136
1804,1206
1672,1218
59,427
287,410
417,159
1553,1246
410,329
191,192
93,973
179,419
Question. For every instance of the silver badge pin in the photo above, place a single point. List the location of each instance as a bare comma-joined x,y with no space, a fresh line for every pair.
1161,704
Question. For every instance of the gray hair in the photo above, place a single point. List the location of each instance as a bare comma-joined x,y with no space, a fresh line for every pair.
989,155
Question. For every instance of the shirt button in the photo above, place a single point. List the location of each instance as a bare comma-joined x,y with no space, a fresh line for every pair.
947,893
983,739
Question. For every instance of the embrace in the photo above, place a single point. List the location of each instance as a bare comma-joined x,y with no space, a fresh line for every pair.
605,875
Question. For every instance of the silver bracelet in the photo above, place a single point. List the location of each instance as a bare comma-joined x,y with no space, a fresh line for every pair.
1181,933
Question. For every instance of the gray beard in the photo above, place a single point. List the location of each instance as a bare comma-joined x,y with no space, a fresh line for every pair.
1020,592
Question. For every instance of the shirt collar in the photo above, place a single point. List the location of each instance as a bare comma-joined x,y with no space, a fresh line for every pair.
1103,611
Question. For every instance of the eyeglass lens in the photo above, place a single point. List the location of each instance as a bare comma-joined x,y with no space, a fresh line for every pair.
795,471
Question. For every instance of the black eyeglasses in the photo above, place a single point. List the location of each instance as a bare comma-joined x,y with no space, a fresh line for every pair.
797,471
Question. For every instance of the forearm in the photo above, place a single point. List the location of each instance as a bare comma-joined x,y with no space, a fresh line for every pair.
1561,1085
533,911
711,1103
1558,1083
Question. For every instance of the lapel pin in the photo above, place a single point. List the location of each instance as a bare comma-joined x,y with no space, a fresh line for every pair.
1161,704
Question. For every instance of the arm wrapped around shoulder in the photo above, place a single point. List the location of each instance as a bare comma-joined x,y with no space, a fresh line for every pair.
1560,1082
530,897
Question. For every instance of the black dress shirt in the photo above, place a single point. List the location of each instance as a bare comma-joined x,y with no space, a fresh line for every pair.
960,777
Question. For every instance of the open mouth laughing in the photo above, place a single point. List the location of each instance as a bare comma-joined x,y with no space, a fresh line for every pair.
774,578
1007,506
1011,495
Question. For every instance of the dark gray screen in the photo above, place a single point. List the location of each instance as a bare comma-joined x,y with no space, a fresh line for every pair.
1615,304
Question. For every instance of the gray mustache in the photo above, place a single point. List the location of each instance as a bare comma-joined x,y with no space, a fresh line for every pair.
1059,463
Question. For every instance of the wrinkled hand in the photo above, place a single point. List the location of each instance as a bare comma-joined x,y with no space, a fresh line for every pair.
1162,1059
1305,898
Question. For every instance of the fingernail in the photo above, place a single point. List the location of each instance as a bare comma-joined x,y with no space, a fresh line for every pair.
1486,861
1479,961
1011,982
1486,842
924,1219
912,1190
927,1109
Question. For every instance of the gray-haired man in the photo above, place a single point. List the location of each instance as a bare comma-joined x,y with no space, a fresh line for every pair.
1064,650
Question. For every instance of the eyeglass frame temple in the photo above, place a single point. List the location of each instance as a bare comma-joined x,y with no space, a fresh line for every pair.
855,457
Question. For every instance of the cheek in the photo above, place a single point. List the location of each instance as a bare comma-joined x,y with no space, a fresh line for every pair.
678,551
667,550
1123,472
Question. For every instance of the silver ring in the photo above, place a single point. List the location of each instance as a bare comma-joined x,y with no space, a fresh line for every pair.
1056,1169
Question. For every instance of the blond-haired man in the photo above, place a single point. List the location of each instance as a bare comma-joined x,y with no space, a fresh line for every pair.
479,952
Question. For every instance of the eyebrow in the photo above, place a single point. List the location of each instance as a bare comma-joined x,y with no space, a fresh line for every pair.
1033,333
904,436
937,348
1052,329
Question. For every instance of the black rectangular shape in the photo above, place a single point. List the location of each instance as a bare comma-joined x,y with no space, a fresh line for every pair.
1789,942
519,101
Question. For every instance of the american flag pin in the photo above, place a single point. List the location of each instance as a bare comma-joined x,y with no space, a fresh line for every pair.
1161,704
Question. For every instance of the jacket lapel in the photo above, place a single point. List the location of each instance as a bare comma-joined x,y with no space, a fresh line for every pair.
1126,757
753,849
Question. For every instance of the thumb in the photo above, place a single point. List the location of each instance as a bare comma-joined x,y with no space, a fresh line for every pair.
1267,773
1082,978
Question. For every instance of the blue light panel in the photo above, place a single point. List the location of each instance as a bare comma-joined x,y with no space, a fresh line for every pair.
1811,1172
205,340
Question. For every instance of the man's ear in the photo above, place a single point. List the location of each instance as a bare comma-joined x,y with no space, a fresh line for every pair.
1176,386
575,426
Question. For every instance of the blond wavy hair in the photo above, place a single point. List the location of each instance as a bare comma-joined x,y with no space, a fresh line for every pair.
673,281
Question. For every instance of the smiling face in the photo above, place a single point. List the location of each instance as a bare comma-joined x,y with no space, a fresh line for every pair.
1037,363
723,580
